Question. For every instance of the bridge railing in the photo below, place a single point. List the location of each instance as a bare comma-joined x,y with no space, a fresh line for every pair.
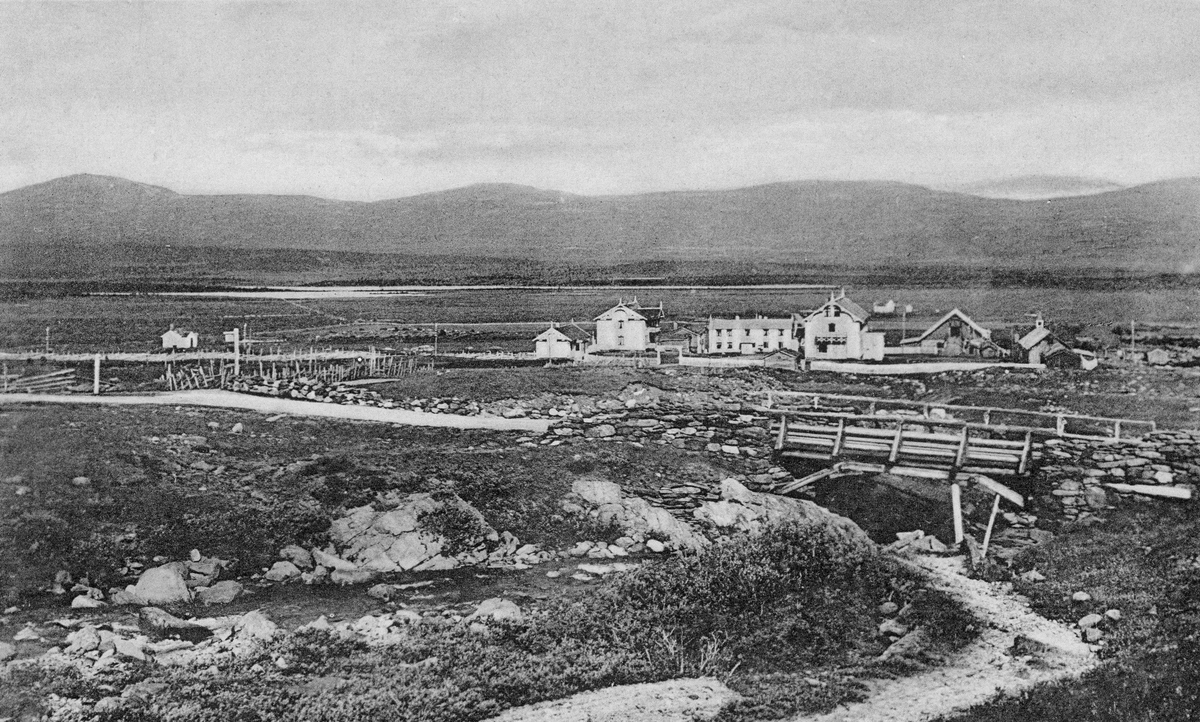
1065,425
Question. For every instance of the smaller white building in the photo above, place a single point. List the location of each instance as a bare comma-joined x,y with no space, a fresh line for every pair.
180,338
566,342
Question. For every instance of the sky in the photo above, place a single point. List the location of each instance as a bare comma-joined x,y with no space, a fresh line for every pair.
365,101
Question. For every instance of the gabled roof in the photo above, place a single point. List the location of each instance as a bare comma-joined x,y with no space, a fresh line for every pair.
783,352
1034,337
679,334
575,333
630,309
851,308
570,332
954,313
182,332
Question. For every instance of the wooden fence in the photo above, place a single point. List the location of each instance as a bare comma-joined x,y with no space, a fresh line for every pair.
41,383
220,375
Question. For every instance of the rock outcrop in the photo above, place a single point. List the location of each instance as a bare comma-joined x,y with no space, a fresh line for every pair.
735,510
412,532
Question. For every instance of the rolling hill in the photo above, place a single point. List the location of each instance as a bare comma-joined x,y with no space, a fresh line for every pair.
1151,228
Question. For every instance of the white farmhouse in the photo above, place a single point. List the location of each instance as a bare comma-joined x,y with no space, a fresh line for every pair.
838,330
754,335
627,327
180,338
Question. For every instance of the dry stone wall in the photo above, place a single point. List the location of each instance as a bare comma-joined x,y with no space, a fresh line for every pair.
1076,470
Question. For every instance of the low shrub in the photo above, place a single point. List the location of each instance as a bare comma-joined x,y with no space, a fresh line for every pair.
765,613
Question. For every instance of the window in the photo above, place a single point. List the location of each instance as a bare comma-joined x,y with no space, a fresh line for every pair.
620,324
620,340
837,311
832,327
747,333
955,330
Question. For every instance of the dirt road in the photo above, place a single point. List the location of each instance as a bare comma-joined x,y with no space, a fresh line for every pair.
269,405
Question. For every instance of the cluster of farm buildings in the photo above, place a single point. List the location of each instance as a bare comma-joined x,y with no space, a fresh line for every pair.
838,330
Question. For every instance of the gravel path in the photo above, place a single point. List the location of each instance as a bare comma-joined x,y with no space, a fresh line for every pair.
271,405
982,670
975,674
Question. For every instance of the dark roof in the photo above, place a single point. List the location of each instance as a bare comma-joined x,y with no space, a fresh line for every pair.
575,333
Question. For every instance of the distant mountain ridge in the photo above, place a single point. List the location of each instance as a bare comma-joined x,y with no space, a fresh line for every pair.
1148,228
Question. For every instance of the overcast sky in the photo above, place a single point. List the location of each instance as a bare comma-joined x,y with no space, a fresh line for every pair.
360,100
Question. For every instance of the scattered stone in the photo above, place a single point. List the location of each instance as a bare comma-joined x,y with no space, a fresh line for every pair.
345,577
1081,597
282,571
84,639
237,428
219,593
332,562
581,577
27,634
297,555
1033,575
655,546
81,481
7,651
887,609
255,625
83,601
893,628
162,585
498,609
159,624
1092,635
1114,615
1090,620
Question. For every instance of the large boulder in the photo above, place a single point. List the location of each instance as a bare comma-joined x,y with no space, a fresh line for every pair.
742,510
162,585
738,510
410,532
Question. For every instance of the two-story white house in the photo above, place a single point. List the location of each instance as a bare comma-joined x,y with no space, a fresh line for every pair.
627,327
838,330
754,335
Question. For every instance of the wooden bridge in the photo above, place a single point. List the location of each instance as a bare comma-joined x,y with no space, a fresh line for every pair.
1078,426
866,435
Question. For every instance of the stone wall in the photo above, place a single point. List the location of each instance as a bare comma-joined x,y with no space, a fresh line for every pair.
1075,470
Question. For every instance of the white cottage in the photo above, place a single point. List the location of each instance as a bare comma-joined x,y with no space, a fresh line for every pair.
180,338
566,342
838,330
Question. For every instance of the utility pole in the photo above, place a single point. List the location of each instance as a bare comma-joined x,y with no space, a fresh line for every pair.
435,335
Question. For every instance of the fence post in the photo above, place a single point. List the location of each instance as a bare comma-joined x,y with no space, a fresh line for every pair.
96,377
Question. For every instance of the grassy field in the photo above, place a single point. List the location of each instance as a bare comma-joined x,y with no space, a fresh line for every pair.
134,323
